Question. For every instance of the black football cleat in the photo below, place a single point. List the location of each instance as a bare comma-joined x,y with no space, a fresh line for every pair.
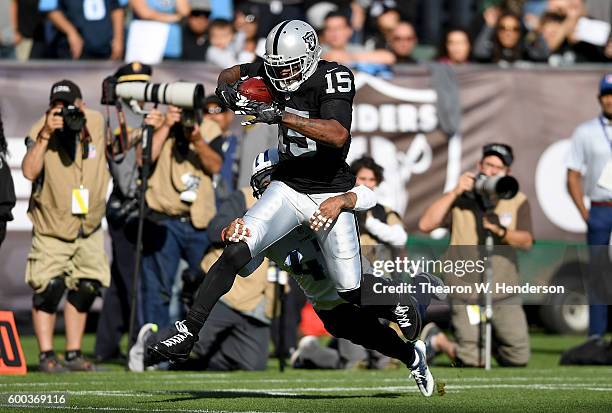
406,315
175,344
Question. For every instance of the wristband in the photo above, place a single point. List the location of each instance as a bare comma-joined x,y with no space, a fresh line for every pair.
505,232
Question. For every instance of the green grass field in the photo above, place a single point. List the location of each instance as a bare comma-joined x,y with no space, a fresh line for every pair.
541,387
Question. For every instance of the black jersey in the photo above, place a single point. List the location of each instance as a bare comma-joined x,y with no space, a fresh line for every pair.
305,165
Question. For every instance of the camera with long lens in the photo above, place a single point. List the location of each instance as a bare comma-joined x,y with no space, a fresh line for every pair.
74,118
494,188
187,95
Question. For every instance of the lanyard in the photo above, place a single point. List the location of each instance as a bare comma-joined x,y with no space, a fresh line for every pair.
605,131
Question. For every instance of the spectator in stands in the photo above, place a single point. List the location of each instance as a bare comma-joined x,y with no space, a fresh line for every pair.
225,48
85,32
195,39
225,181
272,12
558,29
246,23
336,44
28,29
402,42
181,201
7,188
436,12
165,11
67,165
386,23
456,48
504,42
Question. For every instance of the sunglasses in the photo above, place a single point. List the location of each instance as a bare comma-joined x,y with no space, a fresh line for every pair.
403,38
514,29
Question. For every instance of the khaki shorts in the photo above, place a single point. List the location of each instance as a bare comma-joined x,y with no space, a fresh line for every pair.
82,258
510,336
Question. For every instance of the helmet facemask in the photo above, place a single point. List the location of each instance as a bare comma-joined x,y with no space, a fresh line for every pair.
288,75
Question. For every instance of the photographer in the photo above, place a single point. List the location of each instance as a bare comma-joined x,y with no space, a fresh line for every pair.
66,163
7,188
470,215
186,153
123,149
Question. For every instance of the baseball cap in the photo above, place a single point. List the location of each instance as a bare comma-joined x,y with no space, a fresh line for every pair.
214,100
501,150
605,86
134,72
66,91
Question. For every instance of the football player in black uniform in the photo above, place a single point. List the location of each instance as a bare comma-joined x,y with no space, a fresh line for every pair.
313,107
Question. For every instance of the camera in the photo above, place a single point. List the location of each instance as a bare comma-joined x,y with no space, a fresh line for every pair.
182,94
74,118
494,188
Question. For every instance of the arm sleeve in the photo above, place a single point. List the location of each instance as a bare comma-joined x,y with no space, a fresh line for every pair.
234,207
366,198
390,234
576,157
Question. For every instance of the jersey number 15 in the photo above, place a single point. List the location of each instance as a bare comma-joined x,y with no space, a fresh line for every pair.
342,83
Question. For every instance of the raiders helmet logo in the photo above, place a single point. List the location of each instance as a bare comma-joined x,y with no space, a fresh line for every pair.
311,41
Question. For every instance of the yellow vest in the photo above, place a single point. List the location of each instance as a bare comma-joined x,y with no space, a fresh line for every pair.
50,208
166,185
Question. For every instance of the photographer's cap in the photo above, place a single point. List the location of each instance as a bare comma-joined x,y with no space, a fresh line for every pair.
134,72
605,86
66,91
501,150
212,105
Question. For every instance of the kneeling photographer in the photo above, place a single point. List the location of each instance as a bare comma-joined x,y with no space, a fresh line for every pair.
487,203
186,153
65,161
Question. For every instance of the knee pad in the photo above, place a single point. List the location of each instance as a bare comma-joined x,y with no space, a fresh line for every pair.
49,299
83,297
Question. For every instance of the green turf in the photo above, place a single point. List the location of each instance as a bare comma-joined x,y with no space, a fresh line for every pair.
541,387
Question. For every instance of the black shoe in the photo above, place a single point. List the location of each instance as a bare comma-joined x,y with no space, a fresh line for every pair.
407,317
175,344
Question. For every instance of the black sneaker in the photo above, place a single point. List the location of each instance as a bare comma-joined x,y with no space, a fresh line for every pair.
80,363
407,317
51,365
175,345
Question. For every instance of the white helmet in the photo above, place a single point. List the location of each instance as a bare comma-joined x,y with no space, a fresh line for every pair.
292,54
263,166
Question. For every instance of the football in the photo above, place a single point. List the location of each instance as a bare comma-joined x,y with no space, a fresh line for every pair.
255,89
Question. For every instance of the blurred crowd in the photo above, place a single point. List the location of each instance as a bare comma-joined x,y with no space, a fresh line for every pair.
364,34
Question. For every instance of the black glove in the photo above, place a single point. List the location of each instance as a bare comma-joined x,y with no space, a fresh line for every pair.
262,112
228,94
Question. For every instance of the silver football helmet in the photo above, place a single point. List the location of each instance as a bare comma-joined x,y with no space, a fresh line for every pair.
292,54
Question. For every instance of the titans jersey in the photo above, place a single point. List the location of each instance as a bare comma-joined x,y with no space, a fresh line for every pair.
307,166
